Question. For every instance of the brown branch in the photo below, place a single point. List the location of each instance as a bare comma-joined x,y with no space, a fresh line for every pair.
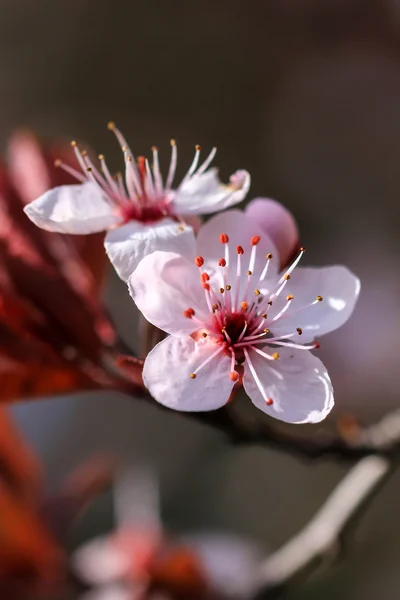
323,534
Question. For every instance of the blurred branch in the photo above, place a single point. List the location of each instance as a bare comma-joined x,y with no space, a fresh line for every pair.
382,437
323,534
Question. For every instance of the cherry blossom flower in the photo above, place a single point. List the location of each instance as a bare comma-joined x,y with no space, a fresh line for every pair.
139,210
232,316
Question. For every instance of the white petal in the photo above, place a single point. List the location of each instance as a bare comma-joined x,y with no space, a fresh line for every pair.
100,561
205,193
127,245
167,372
297,382
339,289
240,229
163,286
73,209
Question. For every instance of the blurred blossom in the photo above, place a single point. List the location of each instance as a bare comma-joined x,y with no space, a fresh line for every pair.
33,525
54,334
228,316
140,210
141,560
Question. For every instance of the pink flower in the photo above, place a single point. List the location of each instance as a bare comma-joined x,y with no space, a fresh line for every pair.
140,211
231,313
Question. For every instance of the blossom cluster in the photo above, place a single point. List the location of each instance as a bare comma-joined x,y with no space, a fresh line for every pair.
237,307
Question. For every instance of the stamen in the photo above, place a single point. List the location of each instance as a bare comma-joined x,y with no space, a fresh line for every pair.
255,376
243,331
226,334
172,166
157,173
199,261
207,162
193,166
149,182
132,179
108,175
261,353
289,299
211,357
189,313
293,265
240,252
70,170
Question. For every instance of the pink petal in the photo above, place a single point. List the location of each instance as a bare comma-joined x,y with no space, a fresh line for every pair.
76,209
297,383
339,289
167,373
240,230
127,245
163,286
101,561
204,193
277,222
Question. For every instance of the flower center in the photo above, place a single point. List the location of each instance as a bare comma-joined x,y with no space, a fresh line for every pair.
245,306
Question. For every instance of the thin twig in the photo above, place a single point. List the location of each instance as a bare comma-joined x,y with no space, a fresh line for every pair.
323,533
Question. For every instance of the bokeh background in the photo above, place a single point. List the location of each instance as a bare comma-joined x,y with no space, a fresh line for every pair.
306,96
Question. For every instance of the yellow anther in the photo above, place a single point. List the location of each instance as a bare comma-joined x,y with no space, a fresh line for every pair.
286,277
74,144
319,298
249,273
101,157
268,256
228,288
289,297
111,125
267,330
275,356
192,375
299,330
257,292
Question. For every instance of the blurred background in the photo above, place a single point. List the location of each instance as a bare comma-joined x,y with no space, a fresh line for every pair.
306,96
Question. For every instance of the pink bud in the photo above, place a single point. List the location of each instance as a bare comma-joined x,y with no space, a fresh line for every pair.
277,222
